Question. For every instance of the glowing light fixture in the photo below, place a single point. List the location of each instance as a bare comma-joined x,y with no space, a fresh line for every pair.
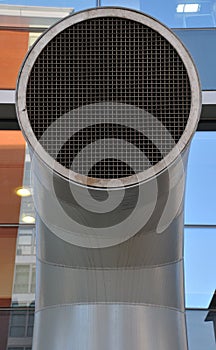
28,219
188,8
23,192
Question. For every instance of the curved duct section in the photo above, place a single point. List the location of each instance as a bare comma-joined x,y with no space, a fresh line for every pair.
108,100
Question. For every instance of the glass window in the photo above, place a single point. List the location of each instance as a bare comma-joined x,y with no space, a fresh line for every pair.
133,4
21,279
30,324
21,324
25,270
201,186
173,13
30,331
182,14
27,212
33,279
200,263
26,241
200,331
17,331
18,324
19,348
18,318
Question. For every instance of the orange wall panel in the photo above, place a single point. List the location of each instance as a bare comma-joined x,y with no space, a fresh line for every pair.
13,47
8,236
12,156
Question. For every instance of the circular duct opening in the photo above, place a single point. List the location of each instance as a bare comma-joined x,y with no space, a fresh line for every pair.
108,93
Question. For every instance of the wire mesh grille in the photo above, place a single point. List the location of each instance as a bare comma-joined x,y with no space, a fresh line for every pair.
108,60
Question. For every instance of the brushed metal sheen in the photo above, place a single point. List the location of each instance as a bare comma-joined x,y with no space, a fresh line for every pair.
63,285
109,326
110,279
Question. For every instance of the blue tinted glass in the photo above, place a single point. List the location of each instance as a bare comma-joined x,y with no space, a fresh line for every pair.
201,180
198,41
200,264
175,14
133,4
200,329
164,11
182,14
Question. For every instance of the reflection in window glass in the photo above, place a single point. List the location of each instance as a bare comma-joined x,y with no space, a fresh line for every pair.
30,325
19,348
200,333
17,332
200,262
182,14
133,4
24,284
27,205
21,329
173,13
25,270
21,279
33,279
18,318
26,241
201,189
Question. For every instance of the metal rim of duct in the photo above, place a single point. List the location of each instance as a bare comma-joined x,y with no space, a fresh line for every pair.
142,18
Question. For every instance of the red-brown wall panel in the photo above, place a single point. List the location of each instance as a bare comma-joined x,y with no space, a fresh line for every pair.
12,156
13,47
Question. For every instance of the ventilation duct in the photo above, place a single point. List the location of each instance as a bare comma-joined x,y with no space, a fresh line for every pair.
108,100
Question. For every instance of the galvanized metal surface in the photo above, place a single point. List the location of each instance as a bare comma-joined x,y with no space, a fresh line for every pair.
108,327
109,233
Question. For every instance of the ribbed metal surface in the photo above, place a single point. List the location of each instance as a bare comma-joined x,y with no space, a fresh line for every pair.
113,60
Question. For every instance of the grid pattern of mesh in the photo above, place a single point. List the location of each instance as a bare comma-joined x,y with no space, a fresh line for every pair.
112,61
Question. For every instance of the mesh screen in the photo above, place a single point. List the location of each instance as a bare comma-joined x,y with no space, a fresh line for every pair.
112,61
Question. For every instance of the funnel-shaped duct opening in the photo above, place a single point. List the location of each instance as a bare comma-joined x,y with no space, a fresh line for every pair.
115,87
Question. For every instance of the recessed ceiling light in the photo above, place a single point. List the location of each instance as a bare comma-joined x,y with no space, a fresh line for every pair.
188,8
191,8
28,219
180,8
23,192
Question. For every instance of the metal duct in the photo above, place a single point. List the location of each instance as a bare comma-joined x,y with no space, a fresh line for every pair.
108,100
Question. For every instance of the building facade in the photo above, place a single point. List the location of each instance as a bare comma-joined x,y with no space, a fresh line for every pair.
20,26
